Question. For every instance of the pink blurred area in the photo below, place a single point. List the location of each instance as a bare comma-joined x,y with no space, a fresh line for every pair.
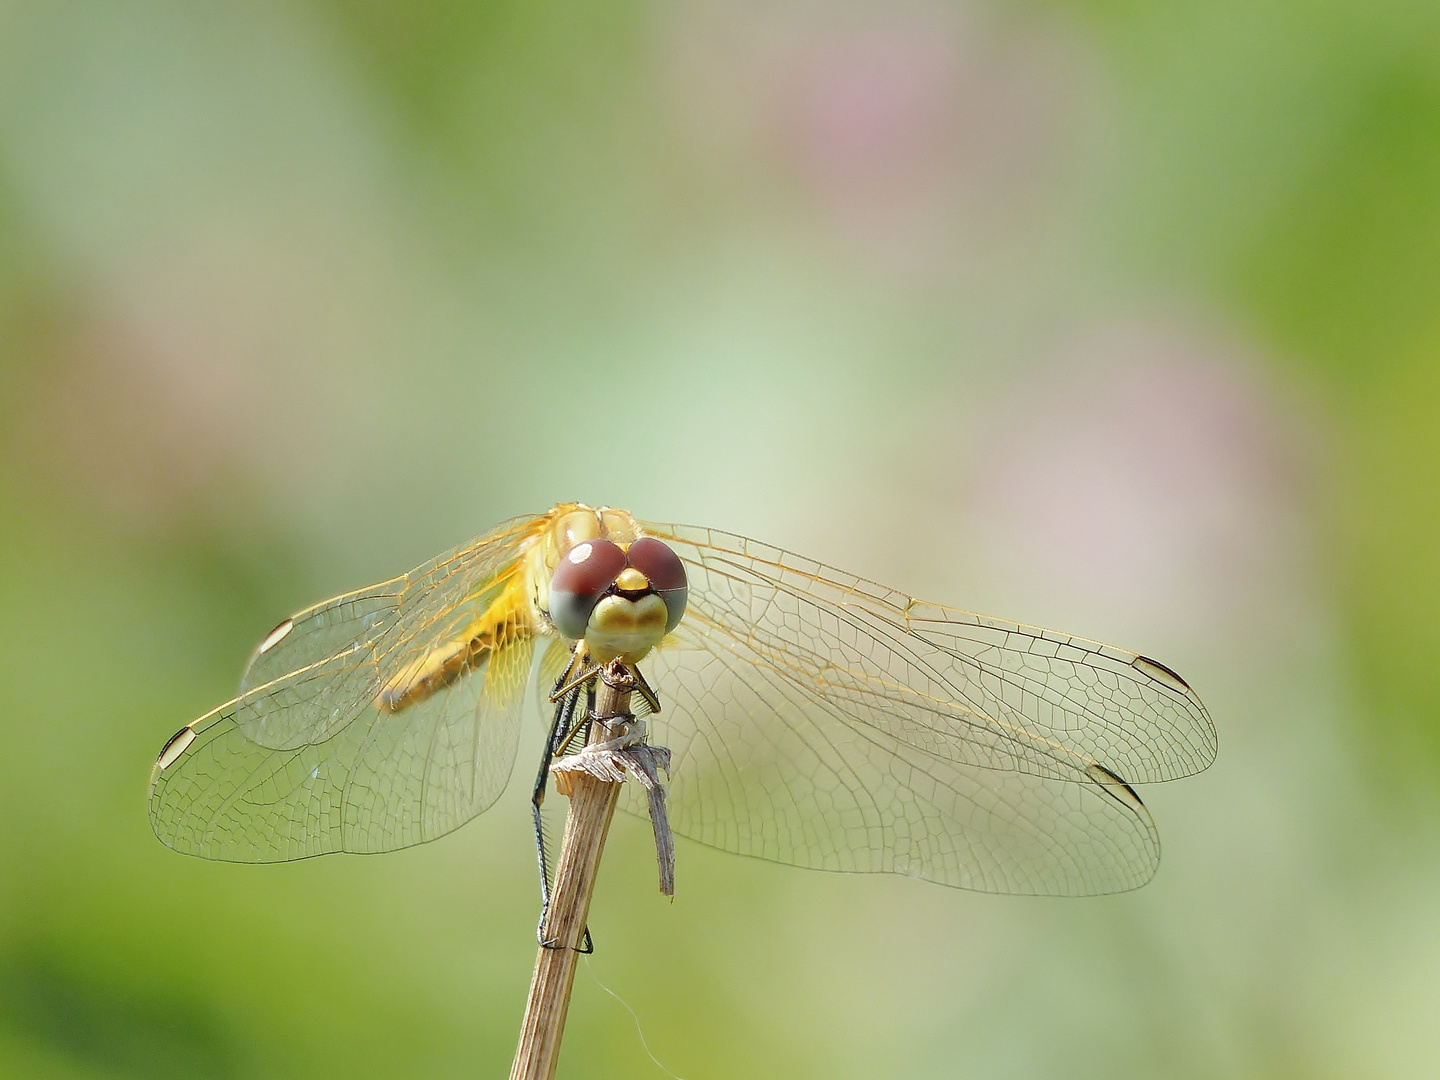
1148,468
909,127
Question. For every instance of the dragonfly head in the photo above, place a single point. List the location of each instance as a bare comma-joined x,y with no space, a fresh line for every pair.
621,600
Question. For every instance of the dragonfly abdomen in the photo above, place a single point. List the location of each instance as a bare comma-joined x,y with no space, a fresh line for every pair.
505,621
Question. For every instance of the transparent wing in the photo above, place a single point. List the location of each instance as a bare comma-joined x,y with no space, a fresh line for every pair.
554,659
315,672
318,633
305,761
823,720
385,781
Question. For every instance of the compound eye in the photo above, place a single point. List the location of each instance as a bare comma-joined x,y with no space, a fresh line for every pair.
666,572
656,561
584,573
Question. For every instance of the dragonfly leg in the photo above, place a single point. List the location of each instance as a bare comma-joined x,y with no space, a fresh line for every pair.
652,699
586,674
564,695
559,731
562,734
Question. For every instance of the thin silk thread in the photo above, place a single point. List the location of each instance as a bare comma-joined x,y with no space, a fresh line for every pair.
638,1030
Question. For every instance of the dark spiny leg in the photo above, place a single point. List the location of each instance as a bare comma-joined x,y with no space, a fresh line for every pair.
582,674
589,944
578,729
578,732
564,696
652,699
559,733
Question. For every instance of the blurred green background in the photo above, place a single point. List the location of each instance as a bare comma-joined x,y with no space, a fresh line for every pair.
1117,316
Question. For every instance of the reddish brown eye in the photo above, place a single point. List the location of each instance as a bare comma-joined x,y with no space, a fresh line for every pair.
656,561
666,572
584,572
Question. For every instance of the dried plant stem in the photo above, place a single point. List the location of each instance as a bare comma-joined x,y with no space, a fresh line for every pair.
592,806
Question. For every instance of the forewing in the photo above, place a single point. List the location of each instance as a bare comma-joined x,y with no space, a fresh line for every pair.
966,687
332,628
316,672
823,720
384,781
304,761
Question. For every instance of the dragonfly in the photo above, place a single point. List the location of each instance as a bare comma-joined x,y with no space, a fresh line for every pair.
815,718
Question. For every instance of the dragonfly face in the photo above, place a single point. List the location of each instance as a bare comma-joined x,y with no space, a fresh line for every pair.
620,602
814,717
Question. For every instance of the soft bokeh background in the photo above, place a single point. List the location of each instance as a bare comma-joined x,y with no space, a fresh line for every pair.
1121,316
